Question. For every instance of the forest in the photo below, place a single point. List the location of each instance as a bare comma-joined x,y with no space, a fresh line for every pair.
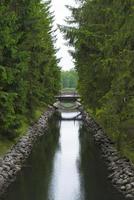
29,72
101,32
71,128
69,79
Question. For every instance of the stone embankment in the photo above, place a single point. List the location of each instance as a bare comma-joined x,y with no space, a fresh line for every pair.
12,162
121,170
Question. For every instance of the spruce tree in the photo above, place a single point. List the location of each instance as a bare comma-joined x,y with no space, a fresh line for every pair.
29,72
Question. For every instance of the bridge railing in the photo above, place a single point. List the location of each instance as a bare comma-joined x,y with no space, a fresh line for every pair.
71,93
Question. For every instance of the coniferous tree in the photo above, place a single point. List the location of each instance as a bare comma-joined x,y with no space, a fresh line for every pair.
103,42
29,74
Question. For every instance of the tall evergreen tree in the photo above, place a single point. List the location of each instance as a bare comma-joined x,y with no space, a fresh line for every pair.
29,74
103,42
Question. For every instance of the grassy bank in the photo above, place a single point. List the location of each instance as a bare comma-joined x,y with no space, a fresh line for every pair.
127,147
6,144
124,138
122,135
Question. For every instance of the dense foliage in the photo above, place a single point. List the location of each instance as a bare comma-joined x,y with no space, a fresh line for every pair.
102,34
29,75
69,79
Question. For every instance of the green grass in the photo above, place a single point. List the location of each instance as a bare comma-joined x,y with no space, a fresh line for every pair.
25,123
126,140
38,113
128,151
5,144
23,127
128,124
128,147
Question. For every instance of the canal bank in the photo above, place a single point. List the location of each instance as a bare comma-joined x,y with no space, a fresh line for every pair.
12,162
121,170
64,164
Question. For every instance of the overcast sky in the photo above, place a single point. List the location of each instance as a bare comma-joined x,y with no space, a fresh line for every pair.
61,12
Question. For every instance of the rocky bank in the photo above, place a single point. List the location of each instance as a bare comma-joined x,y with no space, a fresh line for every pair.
12,162
121,170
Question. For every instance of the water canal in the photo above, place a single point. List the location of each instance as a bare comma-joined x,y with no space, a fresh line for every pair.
64,165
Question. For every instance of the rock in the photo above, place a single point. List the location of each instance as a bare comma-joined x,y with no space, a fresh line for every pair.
5,175
121,170
129,196
6,167
132,183
125,181
123,188
119,182
128,186
1,161
2,180
13,161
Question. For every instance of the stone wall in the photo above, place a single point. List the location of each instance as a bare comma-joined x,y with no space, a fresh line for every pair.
121,170
12,162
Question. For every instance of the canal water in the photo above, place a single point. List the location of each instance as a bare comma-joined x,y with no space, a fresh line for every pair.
64,165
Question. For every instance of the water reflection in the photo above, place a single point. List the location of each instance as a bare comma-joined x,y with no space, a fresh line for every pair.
69,115
65,165
93,171
33,181
65,183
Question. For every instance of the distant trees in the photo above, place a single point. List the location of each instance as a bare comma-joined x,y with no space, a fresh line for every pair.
69,79
103,39
29,75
